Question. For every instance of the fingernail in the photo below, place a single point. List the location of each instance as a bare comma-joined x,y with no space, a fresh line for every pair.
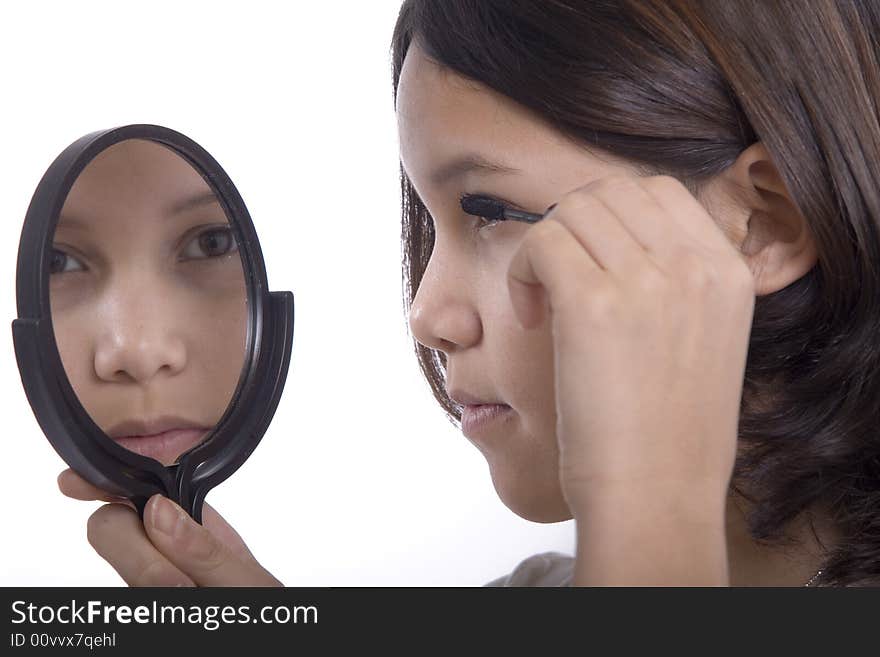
165,516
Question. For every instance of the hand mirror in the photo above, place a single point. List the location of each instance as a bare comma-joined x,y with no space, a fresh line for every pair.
149,345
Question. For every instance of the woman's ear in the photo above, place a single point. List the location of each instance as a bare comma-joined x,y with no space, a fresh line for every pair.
762,221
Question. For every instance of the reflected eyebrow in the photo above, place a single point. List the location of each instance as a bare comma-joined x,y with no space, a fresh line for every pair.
178,207
68,221
471,163
203,198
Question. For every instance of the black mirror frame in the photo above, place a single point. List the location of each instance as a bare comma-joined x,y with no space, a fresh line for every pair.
69,428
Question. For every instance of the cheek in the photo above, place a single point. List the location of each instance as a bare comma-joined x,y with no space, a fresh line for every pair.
522,361
76,344
528,365
72,302
217,334
213,300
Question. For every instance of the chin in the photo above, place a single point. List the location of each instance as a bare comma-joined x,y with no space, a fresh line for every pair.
531,497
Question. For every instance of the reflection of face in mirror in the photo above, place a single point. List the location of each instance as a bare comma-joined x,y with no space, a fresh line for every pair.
148,299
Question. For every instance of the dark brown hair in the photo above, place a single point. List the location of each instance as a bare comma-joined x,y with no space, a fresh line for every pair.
682,87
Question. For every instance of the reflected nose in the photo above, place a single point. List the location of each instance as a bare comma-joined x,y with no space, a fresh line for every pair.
140,341
442,315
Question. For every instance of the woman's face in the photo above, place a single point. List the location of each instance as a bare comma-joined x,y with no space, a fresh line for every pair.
148,299
456,138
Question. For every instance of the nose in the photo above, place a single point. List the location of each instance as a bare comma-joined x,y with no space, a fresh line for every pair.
442,315
139,338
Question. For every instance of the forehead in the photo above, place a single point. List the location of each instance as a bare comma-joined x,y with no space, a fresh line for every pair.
445,113
136,173
132,185
443,116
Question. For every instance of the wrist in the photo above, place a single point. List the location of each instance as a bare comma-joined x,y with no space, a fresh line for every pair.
635,536
679,499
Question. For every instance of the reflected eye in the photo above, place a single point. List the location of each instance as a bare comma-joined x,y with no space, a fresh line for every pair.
211,243
61,263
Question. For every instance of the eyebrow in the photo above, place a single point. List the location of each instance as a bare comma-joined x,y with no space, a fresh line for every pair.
200,199
471,163
178,207
68,221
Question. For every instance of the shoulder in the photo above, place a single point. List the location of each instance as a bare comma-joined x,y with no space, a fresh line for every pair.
544,569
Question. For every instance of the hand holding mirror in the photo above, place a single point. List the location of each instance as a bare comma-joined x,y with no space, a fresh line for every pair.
149,346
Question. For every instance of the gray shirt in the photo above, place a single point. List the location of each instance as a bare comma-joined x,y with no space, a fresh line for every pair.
545,569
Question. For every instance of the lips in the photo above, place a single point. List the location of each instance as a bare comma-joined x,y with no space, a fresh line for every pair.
132,428
479,415
164,438
479,419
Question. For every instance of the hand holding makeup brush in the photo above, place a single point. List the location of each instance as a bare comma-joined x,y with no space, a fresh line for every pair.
651,308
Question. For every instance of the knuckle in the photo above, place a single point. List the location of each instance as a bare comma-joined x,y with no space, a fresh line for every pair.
216,560
572,299
599,306
215,554
650,281
544,234
613,182
695,271
663,183
575,203
204,548
561,208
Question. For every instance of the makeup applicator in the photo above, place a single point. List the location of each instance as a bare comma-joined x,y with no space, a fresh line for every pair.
494,210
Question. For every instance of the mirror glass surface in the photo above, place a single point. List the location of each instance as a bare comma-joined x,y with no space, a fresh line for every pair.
148,299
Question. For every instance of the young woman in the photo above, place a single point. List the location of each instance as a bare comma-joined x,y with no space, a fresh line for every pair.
680,354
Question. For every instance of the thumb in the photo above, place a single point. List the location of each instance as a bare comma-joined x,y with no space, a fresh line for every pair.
198,552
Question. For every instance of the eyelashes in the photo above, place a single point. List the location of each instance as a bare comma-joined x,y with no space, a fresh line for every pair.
484,207
493,210
487,210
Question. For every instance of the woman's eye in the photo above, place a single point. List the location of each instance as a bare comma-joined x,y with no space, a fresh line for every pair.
211,243
62,263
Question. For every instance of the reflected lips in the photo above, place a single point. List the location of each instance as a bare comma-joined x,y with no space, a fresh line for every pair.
163,439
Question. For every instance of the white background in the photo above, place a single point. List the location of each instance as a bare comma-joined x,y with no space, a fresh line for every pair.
360,480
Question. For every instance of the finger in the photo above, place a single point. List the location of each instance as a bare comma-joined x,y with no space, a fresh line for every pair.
652,227
74,486
549,261
196,551
692,218
117,534
598,229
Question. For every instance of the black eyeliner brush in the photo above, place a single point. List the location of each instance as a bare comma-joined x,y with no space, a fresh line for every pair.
493,210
